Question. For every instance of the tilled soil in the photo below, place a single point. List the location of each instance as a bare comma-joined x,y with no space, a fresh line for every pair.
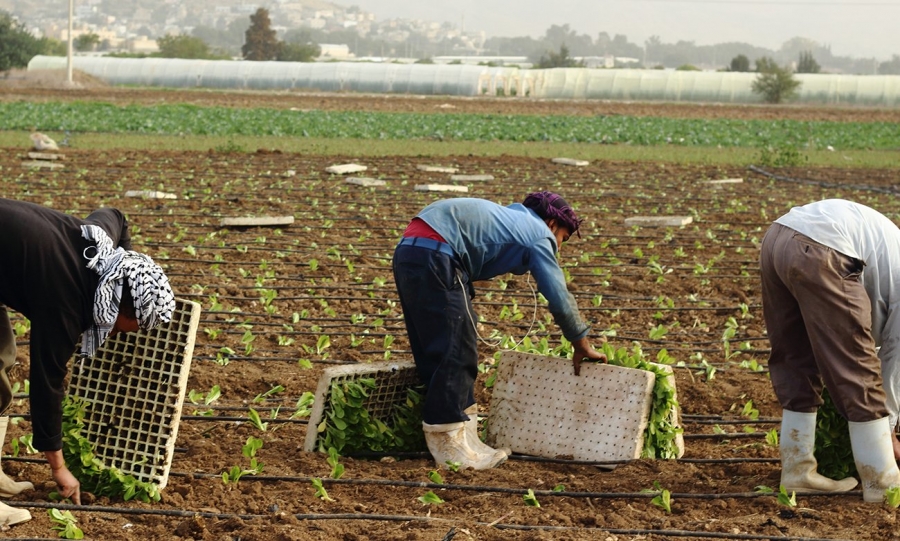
331,267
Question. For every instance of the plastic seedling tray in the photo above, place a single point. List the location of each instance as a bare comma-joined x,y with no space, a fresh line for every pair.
134,391
540,407
393,381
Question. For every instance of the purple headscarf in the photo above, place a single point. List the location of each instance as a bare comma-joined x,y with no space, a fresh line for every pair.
549,205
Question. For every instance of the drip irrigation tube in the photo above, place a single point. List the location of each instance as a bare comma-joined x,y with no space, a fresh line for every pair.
406,518
508,490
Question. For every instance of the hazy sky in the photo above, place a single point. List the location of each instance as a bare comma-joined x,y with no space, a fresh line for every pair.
859,28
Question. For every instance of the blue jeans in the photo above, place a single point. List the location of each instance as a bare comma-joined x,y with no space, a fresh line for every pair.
436,297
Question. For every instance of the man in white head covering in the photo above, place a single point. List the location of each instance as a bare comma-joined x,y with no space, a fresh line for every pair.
71,278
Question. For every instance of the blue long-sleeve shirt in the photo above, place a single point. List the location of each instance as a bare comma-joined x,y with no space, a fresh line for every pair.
491,240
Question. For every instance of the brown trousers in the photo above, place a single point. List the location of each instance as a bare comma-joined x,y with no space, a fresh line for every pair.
819,321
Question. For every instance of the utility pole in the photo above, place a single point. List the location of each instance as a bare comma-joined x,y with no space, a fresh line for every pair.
69,55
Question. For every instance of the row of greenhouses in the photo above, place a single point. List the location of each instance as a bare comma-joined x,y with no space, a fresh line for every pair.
468,80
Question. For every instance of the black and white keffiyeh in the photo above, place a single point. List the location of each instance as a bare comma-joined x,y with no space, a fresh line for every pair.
154,301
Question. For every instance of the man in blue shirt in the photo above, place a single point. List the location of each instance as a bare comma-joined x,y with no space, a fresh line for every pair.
448,246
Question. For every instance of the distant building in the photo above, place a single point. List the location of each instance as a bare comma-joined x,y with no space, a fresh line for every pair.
142,44
332,51
520,61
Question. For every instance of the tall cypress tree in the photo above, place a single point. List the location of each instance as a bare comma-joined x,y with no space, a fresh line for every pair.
260,41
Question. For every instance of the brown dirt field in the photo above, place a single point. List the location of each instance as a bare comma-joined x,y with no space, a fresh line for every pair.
350,232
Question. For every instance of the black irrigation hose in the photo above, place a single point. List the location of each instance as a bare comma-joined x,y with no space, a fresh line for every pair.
877,189
507,490
405,518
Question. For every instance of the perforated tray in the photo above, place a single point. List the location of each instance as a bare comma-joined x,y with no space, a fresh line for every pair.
540,407
134,391
392,381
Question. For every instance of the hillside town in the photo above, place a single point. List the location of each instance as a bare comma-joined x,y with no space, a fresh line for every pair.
133,27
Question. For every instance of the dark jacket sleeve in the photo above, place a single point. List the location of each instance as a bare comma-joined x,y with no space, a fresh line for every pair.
53,341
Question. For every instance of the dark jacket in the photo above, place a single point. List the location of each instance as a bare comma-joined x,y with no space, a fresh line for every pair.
43,276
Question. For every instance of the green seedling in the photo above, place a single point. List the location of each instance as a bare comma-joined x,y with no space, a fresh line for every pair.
256,421
22,444
784,499
892,497
323,343
559,488
271,392
204,399
663,499
435,477
430,498
452,465
772,438
302,409
658,332
251,447
337,469
64,523
530,499
321,493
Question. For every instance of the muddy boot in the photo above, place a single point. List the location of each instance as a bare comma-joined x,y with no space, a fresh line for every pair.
472,433
447,443
8,487
13,515
798,465
873,453
7,358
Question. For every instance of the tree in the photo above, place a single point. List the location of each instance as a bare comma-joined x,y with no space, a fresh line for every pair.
17,45
260,41
298,52
558,60
807,63
891,67
774,83
740,63
185,47
86,42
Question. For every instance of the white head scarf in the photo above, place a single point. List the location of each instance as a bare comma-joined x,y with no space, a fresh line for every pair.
154,300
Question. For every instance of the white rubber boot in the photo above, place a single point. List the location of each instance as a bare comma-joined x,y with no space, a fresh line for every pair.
472,433
798,464
447,443
874,457
13,515
8,487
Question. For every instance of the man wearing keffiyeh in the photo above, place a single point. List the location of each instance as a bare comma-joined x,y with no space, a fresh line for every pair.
71,278
448,246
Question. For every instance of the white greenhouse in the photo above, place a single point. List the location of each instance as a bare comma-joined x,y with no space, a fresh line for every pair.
469,80
459,80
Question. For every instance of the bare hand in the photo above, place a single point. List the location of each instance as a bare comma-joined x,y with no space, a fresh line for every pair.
69,487
584,350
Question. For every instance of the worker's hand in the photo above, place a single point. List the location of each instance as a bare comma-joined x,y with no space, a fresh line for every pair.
584,350
69,487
